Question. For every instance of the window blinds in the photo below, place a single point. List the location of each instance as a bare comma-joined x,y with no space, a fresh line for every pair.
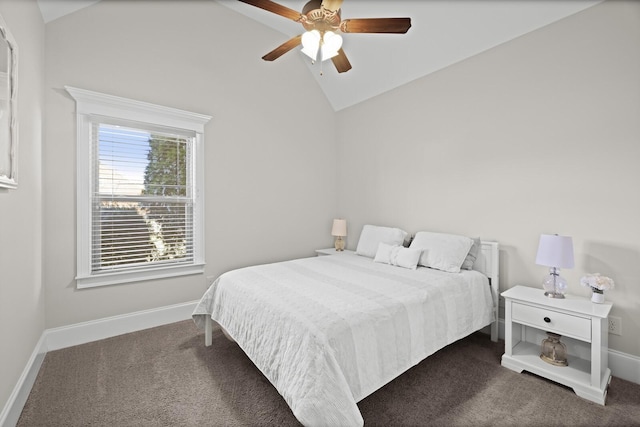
142,196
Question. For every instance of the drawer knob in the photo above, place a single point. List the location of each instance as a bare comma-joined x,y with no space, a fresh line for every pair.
546,319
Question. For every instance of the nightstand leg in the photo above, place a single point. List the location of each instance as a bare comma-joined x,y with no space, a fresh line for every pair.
599,353
508,330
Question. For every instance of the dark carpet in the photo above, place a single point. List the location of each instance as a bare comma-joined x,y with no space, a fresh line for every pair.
165,376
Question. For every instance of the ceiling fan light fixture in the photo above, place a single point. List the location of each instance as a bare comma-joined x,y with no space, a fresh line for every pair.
331,44
328,44
311,44
321,19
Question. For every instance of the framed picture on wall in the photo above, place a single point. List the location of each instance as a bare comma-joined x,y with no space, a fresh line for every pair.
8,108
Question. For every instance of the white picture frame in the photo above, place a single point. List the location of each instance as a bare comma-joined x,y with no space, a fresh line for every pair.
8,108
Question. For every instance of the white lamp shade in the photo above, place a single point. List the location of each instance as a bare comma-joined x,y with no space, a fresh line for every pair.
332,43
311,43
328,44
339,228
555,251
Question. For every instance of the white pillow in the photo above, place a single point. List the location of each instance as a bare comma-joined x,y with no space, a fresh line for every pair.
442,251
471,257
373,235
398,255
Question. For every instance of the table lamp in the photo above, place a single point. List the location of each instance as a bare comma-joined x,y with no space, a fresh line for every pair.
555,252
339,230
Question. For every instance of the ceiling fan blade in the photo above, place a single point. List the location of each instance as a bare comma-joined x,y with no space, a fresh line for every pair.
283,48
341,62
331,5
376,25
275,8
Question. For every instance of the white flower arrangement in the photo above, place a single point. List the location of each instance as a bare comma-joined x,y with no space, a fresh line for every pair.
597,282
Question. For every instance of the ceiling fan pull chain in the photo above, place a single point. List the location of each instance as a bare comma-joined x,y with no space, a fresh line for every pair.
320,48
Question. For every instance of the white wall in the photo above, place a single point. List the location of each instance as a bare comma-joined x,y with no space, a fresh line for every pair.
270,172
21,291
538,135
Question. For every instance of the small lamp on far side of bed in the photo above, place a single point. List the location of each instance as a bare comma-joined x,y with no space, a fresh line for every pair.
555,252
339,230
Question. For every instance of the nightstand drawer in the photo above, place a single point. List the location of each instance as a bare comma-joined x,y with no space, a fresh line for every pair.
552,321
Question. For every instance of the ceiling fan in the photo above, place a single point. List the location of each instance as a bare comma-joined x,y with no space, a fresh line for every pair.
321,19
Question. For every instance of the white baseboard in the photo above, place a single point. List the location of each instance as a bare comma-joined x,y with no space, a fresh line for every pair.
13,408
625,366
81,333
622,365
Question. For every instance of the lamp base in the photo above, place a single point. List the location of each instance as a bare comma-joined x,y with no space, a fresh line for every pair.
339,245
554,295
555,286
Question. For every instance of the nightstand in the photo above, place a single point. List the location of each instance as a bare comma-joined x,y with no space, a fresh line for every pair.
583,326
331,251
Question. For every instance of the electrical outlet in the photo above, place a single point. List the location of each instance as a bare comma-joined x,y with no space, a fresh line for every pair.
615,325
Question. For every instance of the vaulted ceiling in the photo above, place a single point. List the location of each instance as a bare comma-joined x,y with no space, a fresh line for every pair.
443,32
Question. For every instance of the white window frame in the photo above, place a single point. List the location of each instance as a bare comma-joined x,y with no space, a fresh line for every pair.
88,104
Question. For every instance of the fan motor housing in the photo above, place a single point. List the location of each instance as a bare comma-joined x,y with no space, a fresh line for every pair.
318,18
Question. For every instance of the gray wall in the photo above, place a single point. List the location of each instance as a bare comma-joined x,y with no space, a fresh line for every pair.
21,290
538,135
270,174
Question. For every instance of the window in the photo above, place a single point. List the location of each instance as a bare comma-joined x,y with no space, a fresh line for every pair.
140,186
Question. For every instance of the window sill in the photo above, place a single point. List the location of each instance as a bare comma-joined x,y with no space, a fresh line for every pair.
137,276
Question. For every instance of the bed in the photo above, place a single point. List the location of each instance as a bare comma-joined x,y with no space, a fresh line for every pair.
328,331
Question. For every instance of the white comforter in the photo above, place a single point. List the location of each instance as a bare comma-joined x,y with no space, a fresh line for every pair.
328,331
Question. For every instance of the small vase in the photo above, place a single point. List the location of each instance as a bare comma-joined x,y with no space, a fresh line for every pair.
597,296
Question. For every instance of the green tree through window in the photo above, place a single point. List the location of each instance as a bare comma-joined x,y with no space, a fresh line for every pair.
166,176
166,171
